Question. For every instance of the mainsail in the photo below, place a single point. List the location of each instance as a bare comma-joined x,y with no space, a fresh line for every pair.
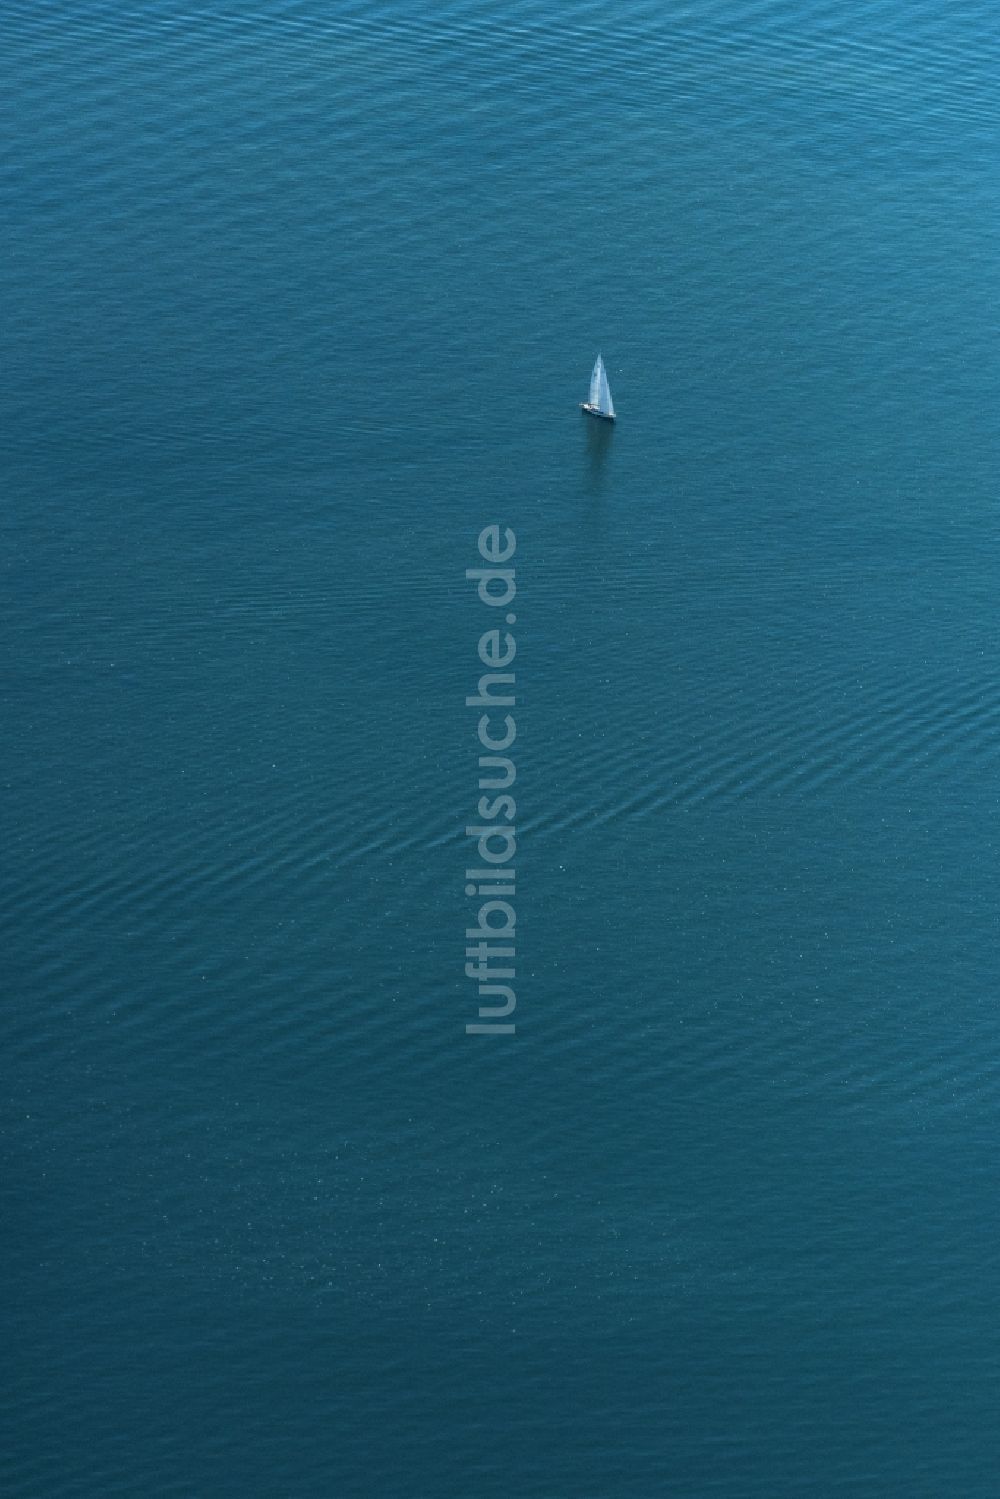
600,390
595,382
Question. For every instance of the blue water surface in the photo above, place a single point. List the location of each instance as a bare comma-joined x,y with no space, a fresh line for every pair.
299,298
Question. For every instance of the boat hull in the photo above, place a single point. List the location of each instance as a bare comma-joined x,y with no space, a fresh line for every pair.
605,416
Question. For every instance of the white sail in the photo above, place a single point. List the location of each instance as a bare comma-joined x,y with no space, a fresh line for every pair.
605,404
600,391
595,383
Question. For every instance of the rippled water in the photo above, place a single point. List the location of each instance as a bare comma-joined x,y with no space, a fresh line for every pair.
298,300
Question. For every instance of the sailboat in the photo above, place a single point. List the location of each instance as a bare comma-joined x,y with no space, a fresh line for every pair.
600,402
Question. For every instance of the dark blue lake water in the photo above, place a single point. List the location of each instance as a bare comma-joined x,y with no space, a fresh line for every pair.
298,299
